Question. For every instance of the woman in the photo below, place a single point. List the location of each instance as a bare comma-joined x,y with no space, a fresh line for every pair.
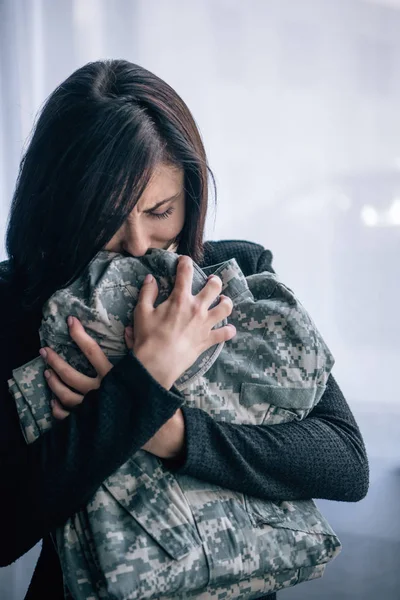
116,162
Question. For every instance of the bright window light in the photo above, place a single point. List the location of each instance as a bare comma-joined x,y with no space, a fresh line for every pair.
369,216
394,212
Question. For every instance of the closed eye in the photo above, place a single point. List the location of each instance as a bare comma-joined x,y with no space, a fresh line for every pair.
163,215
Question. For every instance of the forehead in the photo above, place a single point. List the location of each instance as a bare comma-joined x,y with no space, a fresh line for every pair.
165,182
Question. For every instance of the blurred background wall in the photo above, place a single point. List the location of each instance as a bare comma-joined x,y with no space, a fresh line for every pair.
298,104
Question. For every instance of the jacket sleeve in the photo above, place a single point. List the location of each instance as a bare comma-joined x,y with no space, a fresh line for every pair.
322,456
43,483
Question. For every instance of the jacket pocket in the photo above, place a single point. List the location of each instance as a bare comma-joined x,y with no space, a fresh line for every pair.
273,404
293,535
299,515
157,503
141,534
225,529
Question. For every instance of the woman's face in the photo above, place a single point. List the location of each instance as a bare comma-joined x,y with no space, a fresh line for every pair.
158,216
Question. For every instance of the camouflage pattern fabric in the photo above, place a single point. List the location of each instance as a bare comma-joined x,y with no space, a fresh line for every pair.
148,533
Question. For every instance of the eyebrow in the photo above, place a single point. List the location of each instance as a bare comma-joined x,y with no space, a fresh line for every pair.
150,210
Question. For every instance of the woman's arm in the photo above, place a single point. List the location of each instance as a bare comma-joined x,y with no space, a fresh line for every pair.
44,483
322,456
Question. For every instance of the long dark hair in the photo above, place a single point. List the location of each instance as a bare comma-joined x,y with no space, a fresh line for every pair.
95,145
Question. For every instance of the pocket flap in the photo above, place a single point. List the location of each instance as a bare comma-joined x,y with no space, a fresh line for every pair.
158,505
299,515
290,398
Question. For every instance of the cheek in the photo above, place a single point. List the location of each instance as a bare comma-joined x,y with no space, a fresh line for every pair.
179,217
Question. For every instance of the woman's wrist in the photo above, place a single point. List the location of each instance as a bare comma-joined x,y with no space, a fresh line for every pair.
157,368
169,441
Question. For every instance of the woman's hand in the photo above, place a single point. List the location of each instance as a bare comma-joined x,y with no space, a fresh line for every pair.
61,376
168,339
168,442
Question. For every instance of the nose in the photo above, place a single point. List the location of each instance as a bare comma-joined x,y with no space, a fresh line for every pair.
137,242
136,248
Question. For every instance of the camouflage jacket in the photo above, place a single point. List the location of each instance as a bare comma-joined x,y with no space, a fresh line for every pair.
149,533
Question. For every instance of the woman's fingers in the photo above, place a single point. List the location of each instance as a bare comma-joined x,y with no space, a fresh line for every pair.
129,337
221,311
61,377
69,375
148,294
57,410
65,396
222,334
184,277
210,291
89,347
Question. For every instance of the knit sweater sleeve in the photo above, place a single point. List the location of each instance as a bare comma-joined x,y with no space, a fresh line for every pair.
322,456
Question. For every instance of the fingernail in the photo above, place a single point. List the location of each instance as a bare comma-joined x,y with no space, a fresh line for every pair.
70,321
47,374
43,353
148,278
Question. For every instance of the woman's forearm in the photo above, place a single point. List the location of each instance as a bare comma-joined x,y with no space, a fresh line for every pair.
46,482
322,456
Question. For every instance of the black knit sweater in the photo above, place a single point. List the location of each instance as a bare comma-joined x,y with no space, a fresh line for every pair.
46,482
